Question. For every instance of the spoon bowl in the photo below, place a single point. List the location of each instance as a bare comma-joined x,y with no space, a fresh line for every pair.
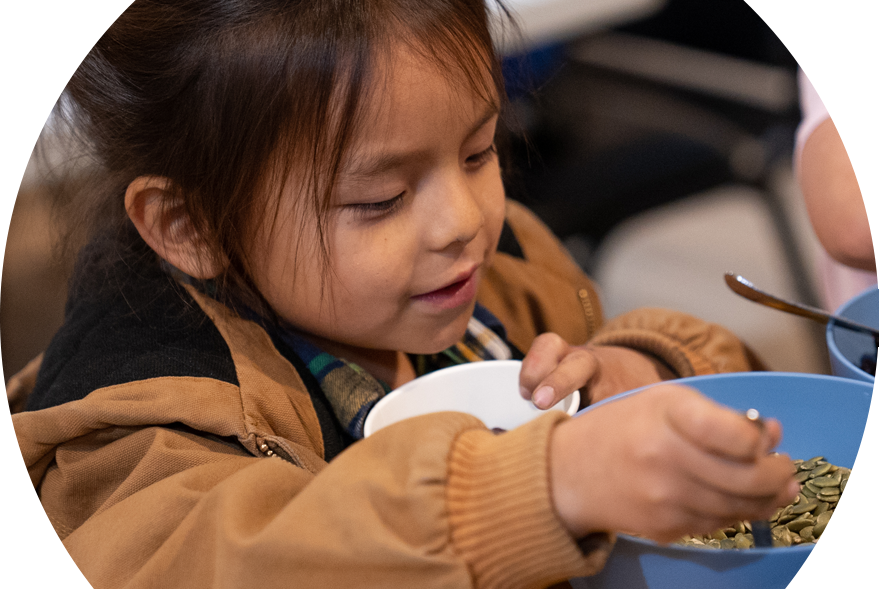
741,286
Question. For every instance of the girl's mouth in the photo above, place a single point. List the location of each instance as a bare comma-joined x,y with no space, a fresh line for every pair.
458,293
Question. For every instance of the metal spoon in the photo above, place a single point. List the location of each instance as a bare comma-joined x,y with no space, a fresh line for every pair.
760,529
743,287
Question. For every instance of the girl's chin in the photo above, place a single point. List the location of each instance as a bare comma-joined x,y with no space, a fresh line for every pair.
442,341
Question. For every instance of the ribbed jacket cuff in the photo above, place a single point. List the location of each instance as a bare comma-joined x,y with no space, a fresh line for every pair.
500,507
684,362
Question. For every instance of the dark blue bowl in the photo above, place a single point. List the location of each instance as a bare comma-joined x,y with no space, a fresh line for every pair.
799,402
846,347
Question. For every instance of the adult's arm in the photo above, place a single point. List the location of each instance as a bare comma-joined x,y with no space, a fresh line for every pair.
838,139
833,198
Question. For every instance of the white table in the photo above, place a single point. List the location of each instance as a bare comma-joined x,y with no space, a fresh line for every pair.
542,21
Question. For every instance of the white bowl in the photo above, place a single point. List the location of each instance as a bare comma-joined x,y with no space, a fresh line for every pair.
487,390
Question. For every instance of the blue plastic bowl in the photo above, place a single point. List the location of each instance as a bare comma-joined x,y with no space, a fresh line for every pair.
798,401
846,346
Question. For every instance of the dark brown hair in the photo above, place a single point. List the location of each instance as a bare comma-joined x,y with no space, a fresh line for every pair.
226,97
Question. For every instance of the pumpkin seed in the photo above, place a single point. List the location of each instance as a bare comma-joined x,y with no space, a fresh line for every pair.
803,521
819,529
821,470
802,508
847,487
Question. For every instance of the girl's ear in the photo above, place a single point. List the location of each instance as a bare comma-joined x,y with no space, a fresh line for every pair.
163,224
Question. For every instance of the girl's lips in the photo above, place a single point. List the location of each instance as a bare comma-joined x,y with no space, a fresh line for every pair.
454,295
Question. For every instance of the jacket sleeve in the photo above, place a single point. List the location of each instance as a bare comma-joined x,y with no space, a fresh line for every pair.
436,501
687,345
545,290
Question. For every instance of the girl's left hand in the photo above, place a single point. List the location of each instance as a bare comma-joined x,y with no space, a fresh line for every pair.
553,369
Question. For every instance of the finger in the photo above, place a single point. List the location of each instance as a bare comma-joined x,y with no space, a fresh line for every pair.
546,352
717,429
677,505
771,435
770,431
768,480
712,503
573,372
673,517
672,526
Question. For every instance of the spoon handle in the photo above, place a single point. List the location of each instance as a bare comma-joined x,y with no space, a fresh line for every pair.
743,287
760,529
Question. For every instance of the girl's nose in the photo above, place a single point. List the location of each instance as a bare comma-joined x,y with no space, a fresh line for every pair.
456,217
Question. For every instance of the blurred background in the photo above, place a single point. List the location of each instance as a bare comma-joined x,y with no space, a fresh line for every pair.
655,137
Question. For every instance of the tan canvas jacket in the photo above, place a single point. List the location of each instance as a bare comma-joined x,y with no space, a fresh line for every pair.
196,481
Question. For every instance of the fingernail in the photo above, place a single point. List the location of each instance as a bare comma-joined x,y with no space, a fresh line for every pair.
544,397
793,488
525,392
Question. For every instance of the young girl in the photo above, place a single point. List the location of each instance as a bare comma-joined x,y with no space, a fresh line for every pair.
304,209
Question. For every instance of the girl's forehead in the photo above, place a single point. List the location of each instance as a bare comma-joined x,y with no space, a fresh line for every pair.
407,82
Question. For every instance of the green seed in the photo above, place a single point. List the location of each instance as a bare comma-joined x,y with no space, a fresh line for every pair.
819,529
823,517
847,487
788,517
798,524
825,482
803,508
718,535
810,485
802,476
782,537
821,470
804,520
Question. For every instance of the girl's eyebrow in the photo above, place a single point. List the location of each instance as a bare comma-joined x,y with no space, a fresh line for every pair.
371,165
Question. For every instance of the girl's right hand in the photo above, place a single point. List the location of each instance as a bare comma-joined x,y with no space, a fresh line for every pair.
664,463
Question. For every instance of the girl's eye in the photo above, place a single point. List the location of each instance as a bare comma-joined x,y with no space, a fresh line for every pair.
372,210
477,159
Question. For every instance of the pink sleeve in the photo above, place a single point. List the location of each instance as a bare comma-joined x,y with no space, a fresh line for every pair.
839,63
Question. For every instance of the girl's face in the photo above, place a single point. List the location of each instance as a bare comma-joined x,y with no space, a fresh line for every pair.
414,222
